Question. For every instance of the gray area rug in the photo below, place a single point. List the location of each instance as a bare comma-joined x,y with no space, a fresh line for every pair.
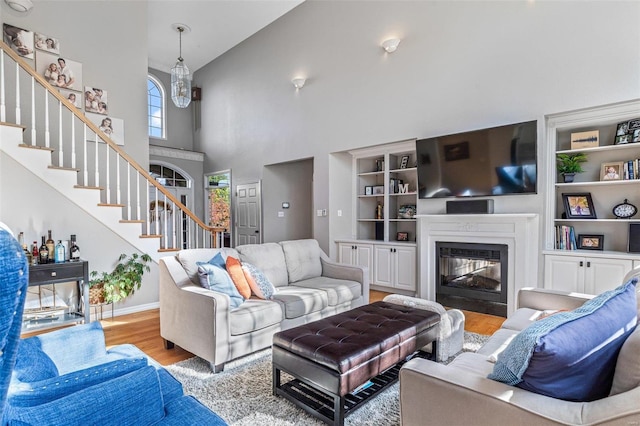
242,394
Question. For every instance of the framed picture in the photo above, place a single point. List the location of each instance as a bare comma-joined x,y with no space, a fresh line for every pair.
588,139
111,126
95,100
627,132
590,242
378,190
579,206
19,40
612,171
73,97
47,43
368,190
404,162
456,151
402,236
60,72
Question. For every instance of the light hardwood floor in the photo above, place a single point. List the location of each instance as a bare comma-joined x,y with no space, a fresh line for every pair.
143,330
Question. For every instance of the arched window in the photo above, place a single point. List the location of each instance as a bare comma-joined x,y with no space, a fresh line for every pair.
157,108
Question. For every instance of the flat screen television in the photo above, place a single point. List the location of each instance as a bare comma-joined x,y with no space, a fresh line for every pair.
488,162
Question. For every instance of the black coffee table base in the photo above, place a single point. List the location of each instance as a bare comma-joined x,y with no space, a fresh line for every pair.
332,408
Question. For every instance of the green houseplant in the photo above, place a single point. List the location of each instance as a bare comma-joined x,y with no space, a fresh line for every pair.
569,164
123,281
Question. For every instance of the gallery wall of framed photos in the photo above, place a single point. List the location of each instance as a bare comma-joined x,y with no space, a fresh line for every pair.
45,54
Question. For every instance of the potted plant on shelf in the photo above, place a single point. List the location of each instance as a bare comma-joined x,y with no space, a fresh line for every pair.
123,281
569,164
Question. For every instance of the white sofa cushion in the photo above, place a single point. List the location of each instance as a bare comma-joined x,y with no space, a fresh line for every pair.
338,291
303,259
189,258
522,318
299,301
269,258
627,374
254,314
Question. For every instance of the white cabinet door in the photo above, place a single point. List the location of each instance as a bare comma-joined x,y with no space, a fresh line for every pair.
364,257
405,266
346,253
383,270
564,273
604,274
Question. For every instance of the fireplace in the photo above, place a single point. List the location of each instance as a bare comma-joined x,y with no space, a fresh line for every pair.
472,276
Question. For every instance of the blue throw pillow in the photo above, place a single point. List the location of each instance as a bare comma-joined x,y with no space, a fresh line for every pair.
572,355
218,279
218,261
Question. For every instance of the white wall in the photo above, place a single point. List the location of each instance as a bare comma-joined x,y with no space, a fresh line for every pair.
460,66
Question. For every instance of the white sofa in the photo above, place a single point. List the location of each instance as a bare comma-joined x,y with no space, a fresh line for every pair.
460,393
309,287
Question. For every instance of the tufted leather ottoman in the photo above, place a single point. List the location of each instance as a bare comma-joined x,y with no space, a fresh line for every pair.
331,357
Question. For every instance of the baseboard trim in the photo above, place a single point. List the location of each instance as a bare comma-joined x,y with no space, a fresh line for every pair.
129,310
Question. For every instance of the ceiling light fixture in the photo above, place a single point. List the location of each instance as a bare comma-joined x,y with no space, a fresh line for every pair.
390,45
298,82
20,5
180,76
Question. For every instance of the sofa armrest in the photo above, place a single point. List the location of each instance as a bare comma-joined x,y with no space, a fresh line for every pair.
194,318
543,299
456,396
347,272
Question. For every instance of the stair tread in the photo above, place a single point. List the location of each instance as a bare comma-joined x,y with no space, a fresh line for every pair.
44,148
151,236
111,205
73,169
132,221
88,187
164,250
5,123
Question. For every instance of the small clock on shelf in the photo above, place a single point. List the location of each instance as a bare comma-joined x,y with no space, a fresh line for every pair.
625,210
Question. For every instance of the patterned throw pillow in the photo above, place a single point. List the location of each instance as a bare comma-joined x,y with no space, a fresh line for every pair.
234,268
259,283
217,279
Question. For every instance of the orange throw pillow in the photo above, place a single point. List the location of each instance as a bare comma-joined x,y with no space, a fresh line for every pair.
234,268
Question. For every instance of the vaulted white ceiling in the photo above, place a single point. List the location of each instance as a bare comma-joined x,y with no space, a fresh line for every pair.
216,26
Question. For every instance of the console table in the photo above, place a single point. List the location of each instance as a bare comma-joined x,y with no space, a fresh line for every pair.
53,273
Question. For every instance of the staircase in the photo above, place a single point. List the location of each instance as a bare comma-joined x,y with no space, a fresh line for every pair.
43,132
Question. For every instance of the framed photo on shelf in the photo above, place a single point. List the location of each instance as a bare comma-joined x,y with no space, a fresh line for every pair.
588,139
612,171
402,236
368,190
579,206
591,242
404,162
627,132
378,190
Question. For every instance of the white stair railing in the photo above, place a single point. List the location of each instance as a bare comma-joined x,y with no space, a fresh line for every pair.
166,218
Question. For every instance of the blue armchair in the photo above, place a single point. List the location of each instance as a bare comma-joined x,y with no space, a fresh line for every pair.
68,377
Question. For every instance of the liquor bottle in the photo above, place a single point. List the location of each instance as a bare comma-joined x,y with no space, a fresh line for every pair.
35,253
59,252
25,248
44,252
51,246
74,250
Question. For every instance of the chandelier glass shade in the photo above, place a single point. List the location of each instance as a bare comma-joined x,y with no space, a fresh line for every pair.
181,80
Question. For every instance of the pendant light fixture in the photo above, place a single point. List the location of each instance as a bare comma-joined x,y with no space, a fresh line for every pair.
180,75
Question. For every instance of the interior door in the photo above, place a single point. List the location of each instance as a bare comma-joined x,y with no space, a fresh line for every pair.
248,207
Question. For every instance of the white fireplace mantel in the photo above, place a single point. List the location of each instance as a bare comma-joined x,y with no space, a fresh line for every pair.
518,231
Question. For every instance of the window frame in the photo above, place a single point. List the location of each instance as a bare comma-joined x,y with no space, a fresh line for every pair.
163,96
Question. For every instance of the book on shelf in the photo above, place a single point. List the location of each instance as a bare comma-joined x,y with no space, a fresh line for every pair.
565,238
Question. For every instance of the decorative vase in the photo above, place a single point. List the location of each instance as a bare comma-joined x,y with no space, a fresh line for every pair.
568,177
